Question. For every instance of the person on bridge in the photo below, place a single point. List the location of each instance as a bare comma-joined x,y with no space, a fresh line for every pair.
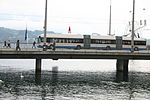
8,44
18,46
33,46
54,44
5,44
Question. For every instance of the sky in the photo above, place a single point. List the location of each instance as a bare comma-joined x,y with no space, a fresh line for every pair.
83,16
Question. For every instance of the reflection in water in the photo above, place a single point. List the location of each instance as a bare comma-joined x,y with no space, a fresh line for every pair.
74,85
38,78
43,93
16,91
121,76
54,84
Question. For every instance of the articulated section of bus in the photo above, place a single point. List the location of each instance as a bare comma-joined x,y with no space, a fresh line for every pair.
71,41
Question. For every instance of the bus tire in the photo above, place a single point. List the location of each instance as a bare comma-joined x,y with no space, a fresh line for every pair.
78,47
136,49
108,48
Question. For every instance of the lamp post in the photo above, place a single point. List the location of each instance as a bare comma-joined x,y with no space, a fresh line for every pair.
132,36
110,20
45,27
140,24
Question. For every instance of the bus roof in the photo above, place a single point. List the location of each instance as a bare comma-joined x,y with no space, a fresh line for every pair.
138,39
56,35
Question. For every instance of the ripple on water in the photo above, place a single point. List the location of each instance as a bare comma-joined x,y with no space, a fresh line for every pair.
74,86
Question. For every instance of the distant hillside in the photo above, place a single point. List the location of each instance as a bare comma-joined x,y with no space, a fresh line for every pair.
13,35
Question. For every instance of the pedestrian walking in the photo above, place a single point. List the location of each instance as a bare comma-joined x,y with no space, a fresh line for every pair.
8,44
18,45
54,44
33,46
5,44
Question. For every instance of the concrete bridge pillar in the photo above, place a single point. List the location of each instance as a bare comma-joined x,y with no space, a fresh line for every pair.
38,71
122,69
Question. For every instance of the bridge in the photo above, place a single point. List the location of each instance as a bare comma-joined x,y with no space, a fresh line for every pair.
122,57
29,53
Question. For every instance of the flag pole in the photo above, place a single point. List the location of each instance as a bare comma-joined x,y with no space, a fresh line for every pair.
26,36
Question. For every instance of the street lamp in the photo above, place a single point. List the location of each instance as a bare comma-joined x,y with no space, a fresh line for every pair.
45,27
110,20
132,36
140,24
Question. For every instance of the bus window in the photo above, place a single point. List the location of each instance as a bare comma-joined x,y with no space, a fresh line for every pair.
140,42
126,42
48,40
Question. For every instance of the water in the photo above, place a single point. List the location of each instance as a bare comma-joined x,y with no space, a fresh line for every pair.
76,80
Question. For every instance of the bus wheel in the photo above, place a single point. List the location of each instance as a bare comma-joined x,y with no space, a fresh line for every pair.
108,48
78,47
136,49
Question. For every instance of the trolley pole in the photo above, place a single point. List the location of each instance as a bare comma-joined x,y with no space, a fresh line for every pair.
132,36
45,28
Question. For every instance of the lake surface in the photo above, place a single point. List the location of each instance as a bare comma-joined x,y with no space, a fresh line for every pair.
76,80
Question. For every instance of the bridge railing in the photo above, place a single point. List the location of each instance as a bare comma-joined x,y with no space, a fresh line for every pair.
28,47
13,45
23,46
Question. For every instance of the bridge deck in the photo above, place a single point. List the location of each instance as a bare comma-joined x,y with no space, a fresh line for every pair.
30,53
